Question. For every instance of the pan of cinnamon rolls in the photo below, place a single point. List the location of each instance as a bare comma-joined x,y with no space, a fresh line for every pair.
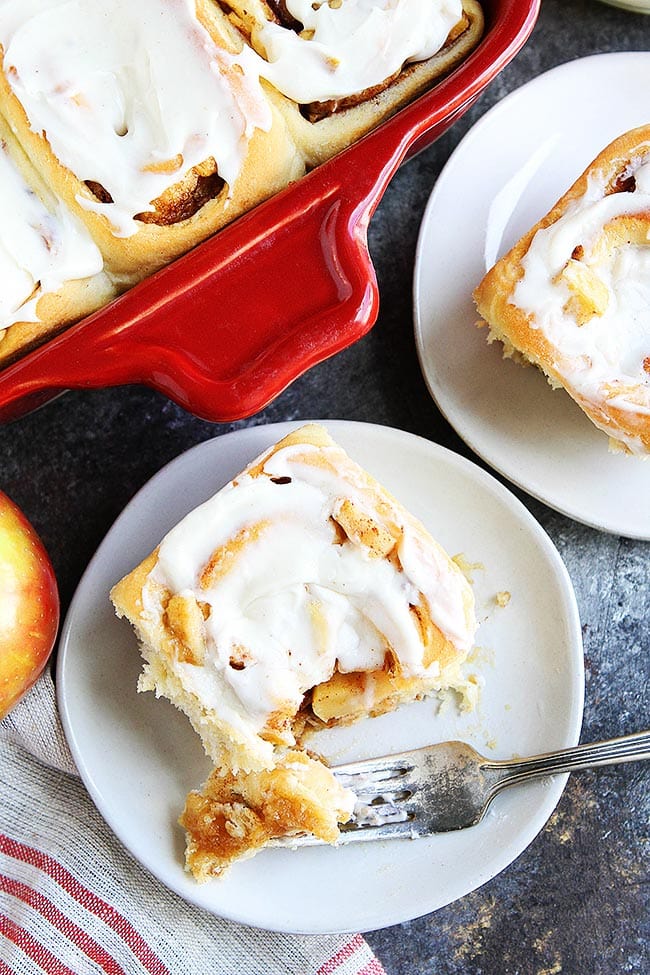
162,163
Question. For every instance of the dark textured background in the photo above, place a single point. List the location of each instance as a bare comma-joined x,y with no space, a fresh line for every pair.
576,901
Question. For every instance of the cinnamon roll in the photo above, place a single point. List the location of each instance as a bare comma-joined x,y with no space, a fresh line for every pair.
345,65
141,118
154,124
301,595
573,295
52,272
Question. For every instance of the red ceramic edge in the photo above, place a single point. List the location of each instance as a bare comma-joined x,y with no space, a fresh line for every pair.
224,329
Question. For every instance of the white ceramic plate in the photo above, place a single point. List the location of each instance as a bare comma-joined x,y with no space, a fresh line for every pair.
636,6
138,756
505,174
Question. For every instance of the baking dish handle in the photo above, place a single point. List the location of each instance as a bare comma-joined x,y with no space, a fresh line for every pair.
228,326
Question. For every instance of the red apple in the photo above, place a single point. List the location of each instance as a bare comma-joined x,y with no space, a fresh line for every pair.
29,605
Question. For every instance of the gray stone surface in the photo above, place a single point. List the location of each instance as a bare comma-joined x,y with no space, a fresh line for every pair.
576,901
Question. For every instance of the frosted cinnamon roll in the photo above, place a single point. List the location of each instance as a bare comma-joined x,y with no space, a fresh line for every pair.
573,295
141,118
345,65
301,594
51,270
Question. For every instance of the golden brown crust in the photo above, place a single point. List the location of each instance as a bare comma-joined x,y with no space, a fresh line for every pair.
126,595
508,323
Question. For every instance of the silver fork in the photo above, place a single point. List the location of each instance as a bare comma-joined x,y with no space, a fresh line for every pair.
450,786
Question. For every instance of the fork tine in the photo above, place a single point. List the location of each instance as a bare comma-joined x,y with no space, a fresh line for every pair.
383,809
390,763
365,785
378,801
352,833
404,829
373,775
376,776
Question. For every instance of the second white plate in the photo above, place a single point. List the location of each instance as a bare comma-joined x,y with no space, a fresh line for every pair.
139,757
505,174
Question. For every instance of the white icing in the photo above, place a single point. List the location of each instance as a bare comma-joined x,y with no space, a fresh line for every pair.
40,249
354,46
133,95
123,88
607,353
298,603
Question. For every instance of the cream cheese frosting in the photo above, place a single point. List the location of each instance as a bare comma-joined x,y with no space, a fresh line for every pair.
132,95
40,248
351,45
298,603
608,356
129,95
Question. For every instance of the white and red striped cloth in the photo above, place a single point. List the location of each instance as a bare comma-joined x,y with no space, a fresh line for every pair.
73,900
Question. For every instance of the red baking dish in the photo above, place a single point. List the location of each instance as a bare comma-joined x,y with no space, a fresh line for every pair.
224,329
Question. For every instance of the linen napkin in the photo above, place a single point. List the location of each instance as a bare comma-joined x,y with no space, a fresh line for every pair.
73,900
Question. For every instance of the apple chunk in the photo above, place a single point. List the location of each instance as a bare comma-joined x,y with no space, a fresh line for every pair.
29,605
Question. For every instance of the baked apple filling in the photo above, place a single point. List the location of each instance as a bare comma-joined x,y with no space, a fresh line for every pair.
178,202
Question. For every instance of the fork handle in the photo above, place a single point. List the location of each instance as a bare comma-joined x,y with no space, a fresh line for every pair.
629,748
